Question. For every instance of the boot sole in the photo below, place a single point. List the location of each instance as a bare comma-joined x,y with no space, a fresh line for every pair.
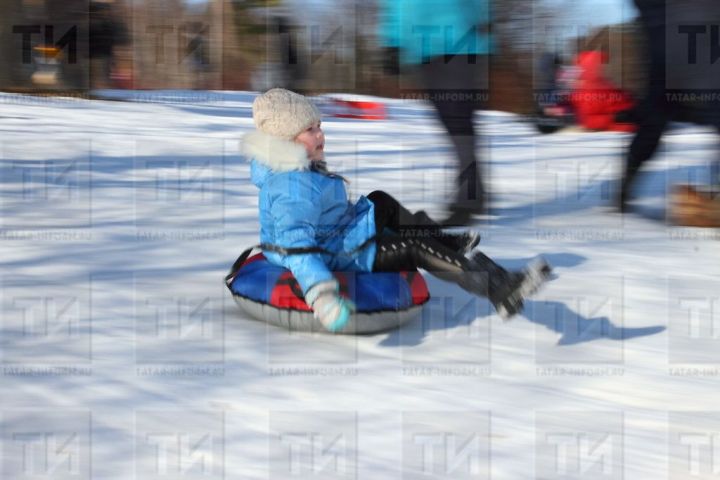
537,273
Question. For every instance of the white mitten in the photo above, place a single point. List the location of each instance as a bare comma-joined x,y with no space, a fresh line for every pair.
332,310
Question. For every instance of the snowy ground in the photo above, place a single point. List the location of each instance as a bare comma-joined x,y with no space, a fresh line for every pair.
123,356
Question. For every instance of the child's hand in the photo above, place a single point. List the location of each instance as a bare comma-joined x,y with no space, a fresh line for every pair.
332,310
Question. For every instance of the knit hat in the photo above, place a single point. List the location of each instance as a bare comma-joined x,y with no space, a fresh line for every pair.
283,113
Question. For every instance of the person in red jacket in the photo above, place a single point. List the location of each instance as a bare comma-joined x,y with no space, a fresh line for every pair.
598,103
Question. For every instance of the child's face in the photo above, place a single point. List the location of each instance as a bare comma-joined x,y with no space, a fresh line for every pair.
313,139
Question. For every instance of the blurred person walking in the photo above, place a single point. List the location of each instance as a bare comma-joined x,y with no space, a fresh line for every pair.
683,79
447,44
107,36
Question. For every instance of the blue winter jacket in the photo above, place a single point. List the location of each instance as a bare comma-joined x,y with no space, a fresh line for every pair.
423,29
303,208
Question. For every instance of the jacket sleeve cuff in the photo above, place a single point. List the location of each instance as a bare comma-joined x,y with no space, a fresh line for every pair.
329,286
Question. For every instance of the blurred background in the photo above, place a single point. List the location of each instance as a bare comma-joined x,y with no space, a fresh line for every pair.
314,46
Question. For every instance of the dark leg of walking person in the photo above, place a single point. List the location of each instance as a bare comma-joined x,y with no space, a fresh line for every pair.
457,86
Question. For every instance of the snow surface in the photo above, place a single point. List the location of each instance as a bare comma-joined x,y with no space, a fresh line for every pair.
124,356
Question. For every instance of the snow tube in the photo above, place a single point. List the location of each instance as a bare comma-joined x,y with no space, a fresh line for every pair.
364,110
269,293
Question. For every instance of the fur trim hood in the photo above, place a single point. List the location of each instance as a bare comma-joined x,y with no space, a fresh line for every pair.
278,154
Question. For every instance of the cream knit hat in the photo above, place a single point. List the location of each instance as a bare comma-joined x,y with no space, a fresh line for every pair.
283,113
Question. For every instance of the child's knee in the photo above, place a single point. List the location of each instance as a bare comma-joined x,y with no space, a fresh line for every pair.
378,196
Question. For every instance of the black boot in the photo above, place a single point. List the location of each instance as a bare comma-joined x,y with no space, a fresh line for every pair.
478,275
499,285
507,290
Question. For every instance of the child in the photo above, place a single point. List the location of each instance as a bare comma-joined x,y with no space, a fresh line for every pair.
308,226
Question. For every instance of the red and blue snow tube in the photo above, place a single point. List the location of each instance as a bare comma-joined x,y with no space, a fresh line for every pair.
271,294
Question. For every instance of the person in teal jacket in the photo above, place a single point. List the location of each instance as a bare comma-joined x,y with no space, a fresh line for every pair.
447,44
308,225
